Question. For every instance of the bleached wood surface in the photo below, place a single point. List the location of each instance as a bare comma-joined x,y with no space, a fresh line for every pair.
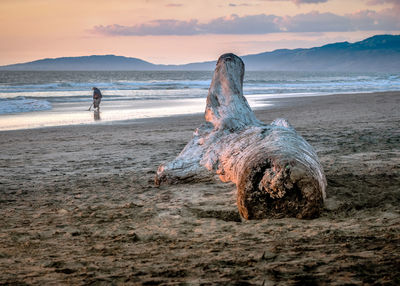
277,173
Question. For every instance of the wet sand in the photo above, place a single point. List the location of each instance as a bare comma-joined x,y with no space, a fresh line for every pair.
78,205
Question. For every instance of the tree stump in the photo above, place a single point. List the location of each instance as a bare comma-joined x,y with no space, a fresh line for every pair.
277,173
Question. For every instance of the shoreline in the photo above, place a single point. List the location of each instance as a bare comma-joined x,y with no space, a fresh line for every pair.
264,104
79,205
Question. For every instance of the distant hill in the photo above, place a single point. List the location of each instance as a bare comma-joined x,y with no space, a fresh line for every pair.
377,53
105,62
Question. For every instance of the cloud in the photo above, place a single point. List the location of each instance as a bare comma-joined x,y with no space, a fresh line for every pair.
299,2
316,22
239,5
377,2
395,3
366,20
308,1
174,5
254,24
155,28
372,20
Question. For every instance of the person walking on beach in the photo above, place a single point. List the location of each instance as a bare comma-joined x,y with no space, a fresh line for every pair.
96,98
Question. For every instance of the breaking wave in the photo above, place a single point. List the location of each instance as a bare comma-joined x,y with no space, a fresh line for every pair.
35,91
22,104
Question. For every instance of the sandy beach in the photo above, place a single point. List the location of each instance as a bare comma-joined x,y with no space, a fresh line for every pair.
78,205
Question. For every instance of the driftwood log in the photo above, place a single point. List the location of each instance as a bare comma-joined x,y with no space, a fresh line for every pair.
277,173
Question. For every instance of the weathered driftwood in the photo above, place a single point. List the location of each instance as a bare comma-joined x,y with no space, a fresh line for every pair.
276,171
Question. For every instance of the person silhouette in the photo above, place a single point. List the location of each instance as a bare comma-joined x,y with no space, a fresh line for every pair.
97,96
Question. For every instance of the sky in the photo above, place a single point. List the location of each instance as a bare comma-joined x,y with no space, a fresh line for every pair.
179,31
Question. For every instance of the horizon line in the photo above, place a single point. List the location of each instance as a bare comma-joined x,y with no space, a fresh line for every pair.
188,63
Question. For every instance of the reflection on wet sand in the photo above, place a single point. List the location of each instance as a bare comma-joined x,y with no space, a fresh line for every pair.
96,115
72,113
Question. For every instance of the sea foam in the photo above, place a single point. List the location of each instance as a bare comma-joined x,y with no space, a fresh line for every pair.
22,104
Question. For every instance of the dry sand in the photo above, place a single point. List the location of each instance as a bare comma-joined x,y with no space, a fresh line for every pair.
78,205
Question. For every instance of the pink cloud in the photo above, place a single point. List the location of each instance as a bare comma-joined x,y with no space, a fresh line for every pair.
174,5
395,3
299,2
308,1
156,27
366,20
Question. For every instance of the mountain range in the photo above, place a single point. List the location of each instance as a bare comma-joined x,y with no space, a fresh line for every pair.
379,53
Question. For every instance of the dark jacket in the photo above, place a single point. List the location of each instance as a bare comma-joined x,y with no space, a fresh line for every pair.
96,93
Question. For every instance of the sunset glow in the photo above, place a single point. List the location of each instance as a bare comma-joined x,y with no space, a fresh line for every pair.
167,31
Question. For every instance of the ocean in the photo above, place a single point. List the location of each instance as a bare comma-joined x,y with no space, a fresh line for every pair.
32,99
